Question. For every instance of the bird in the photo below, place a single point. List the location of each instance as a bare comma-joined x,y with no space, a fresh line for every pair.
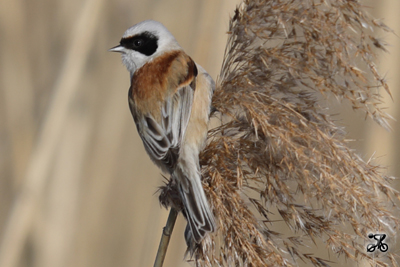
170,101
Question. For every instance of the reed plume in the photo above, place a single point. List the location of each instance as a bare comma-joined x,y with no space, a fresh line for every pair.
277,156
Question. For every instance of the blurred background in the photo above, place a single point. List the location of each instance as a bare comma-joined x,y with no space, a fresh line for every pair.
76,186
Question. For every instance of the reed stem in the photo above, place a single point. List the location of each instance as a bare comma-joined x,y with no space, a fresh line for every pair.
166,235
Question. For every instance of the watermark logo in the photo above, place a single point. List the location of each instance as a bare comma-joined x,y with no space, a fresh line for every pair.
379,244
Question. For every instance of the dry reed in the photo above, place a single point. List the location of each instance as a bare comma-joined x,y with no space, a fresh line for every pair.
278,152
27,201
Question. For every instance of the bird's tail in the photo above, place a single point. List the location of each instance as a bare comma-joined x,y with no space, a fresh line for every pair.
198,213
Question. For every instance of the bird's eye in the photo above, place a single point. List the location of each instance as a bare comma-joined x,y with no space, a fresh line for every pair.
145,43
138,43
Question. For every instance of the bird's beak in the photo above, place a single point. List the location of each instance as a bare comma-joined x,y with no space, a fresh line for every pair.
118,48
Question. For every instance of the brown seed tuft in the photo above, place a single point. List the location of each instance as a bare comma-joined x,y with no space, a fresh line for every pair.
278,157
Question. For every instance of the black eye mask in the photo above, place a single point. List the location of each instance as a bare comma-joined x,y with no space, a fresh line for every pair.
145,43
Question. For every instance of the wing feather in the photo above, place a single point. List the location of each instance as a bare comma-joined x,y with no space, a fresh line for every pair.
163,140
162,133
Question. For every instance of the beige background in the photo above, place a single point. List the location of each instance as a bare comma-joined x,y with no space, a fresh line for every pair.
76,187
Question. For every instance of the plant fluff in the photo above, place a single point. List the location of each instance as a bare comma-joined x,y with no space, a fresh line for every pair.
277,158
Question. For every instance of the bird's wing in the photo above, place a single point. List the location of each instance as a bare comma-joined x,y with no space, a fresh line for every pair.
162,137
163,140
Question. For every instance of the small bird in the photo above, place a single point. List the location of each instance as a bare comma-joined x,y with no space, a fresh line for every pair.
170,100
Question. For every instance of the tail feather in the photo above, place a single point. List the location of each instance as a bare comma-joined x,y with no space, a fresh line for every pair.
198,212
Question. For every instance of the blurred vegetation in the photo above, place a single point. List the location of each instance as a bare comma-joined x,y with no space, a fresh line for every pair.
76,187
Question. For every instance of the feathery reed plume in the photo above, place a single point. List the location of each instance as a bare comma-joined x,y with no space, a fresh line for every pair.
277,152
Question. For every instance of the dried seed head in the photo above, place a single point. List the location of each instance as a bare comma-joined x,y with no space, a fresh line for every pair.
277,155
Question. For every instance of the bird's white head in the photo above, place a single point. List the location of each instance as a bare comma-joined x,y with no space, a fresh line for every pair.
143,42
